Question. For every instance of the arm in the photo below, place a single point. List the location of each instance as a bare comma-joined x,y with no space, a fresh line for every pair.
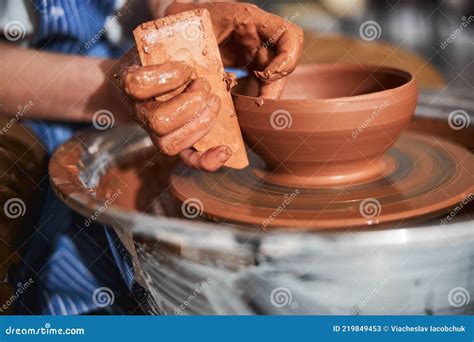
62,87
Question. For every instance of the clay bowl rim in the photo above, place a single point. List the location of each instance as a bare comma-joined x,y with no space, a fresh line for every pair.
410,80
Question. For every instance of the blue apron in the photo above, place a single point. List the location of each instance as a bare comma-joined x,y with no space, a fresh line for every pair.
74,269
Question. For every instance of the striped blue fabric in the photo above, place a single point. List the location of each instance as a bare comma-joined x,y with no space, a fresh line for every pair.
70,26
69,262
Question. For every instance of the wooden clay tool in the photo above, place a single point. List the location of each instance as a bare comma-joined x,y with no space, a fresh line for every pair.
189,37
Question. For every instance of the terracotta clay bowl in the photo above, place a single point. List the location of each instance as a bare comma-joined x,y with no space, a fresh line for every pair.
331,126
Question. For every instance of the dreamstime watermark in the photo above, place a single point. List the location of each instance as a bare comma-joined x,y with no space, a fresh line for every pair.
370,30
14,208
191,298
369,120
457,209
98,36
464,24
459,119
370,208
166,149
46,330
287,199
108,202
21,288
281,297
14,31
278,33
103,297
21,110
192,208
358,308
192,30
459,297
281,119
103,119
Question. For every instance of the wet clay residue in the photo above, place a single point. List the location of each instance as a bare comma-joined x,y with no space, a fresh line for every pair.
168,79
143,182
440,177
230,80
265,44
188,38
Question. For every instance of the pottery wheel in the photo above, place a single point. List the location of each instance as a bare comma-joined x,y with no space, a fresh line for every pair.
429,177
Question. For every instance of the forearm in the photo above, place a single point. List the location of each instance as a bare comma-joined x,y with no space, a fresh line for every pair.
61,87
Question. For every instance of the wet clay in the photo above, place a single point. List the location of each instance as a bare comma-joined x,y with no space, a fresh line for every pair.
328,158
425,177
266,45
146,176
430,176
169,79
330,127
188,37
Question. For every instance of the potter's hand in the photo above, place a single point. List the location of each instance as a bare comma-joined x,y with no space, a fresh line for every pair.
174,120
249,37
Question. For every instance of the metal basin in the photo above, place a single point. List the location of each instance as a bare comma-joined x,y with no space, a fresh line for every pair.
191,266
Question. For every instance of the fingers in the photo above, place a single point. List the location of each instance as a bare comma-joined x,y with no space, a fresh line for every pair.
193,130
211,160
272,90
130,61
143,83
288,49
163,118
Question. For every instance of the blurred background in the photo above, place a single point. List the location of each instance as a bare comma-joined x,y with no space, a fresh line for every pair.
440,31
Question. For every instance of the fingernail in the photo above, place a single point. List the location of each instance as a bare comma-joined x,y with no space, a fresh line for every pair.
263,76
224,155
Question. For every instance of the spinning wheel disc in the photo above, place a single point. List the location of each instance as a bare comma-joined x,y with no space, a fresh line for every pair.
426,177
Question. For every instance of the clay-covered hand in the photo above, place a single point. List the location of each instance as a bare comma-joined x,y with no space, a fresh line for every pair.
251,38
175,107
